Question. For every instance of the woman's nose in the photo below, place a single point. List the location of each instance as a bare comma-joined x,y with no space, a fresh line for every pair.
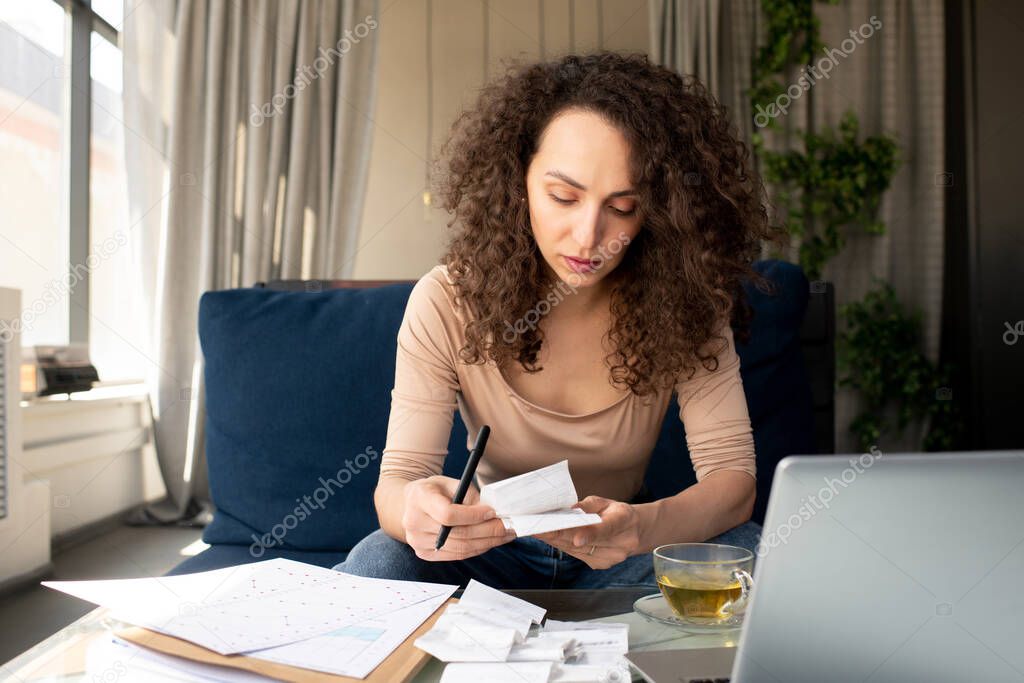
587,229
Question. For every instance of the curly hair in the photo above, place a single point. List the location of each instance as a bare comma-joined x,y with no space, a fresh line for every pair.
699,202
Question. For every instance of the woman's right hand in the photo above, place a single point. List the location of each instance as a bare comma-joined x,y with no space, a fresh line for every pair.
428,506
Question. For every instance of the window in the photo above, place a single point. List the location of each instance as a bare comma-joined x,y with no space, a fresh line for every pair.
115,330
62,152
33,187
110,10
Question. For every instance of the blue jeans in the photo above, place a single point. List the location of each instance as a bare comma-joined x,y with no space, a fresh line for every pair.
521,563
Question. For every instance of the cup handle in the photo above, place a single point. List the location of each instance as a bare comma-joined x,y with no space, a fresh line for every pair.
746,586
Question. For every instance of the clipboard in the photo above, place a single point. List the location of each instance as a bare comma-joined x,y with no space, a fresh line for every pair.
399,667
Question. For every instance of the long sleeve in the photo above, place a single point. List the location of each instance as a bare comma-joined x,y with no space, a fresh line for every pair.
713,408
423,398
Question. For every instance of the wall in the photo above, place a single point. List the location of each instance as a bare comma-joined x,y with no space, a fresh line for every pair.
995,149
398,238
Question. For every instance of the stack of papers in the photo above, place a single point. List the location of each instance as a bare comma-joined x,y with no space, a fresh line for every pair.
277,610
492,636
305,616
111,658
538,501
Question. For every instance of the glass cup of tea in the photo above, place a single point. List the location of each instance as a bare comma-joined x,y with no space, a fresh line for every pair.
707,585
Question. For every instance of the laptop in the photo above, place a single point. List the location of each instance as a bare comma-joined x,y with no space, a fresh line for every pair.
880,567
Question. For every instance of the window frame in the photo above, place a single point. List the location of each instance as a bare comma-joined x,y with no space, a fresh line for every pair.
82,21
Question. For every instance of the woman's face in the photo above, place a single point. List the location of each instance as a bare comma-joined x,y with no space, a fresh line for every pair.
582,203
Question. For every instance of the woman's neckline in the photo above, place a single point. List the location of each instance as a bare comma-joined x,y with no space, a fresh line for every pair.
512,392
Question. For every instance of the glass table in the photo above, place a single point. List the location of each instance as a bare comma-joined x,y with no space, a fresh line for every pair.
62,656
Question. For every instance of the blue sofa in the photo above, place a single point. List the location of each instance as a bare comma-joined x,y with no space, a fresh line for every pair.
298,394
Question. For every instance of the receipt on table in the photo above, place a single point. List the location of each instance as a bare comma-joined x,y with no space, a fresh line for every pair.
495,616
544,647
481,595
596,642
466,638
599,652
504,672
482,627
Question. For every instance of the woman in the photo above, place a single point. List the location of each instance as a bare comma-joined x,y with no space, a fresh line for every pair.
606,215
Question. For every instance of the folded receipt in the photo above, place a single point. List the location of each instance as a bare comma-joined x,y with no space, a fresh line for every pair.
537,502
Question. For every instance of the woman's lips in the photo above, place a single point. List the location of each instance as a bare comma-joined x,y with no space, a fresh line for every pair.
579,265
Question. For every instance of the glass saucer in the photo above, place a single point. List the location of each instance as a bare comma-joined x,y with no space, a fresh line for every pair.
655,608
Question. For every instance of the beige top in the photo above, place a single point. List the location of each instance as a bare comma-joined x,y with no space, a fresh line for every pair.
608,450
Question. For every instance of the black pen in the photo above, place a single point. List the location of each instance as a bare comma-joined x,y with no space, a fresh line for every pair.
467,478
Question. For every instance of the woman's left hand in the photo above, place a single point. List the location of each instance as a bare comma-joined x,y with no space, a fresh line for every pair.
600,545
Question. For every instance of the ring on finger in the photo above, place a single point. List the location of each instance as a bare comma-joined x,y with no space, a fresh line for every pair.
592,549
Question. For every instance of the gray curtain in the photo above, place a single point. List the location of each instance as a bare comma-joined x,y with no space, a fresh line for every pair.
248,144
713,40
895,82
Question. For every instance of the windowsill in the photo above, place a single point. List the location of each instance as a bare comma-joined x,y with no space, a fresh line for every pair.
117,389
96,451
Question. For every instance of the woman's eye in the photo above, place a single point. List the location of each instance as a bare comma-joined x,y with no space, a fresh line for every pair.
616,210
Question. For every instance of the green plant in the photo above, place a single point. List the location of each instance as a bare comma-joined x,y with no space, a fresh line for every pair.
791,37
835,184
879,355
827,190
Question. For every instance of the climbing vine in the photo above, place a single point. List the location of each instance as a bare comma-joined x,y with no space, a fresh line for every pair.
829,185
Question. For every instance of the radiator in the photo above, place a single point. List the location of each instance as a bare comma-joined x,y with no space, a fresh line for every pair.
24,505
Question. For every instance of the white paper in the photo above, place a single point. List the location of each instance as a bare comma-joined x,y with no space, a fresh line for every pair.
480,594
504,672
465,638
556,520
537,502
549,488
355,650
588,673
596,645
482,627
110,658
555,625
544,647
495,616
253,606
599,653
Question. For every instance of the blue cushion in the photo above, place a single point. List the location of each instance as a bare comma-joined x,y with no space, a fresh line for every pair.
774,381
298,392
226,555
